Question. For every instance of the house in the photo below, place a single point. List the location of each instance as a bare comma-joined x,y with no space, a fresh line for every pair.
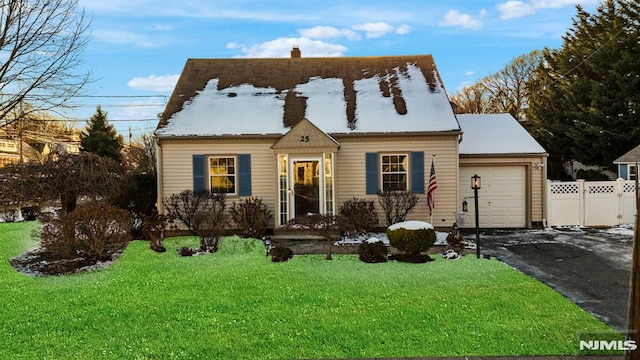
16,151
307,134
628,164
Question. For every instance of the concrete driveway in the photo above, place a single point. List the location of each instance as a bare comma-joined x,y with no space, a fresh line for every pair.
588,266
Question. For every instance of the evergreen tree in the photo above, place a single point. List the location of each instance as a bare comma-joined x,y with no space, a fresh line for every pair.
586,95
100,137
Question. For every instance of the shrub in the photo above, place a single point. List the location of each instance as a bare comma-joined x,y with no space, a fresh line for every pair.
94,232
360,213
138,195
412,241
251,216
30,213
372,251
455,240
187,251
397,205
280,253
210,221
202,213
153,226
592,175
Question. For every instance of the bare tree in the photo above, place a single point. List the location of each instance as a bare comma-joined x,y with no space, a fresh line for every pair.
503,92
64,179
40,45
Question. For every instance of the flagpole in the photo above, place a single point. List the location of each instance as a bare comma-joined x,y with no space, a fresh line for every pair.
433,164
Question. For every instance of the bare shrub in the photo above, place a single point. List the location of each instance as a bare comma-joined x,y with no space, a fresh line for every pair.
202,213
280,254
251,216
397,205
184,206
153,227
186,251
361,214
93,232
211,221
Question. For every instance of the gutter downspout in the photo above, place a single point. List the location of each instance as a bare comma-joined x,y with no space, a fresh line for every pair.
160,174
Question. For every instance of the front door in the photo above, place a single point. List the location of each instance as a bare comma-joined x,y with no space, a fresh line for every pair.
306,175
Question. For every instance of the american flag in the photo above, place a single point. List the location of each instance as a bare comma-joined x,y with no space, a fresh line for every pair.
433,185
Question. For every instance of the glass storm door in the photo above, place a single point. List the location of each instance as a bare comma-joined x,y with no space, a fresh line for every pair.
306,176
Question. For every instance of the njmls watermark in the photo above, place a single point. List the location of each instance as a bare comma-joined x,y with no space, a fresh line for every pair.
603,345
594,342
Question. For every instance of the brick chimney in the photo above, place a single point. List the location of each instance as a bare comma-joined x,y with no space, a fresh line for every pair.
295,52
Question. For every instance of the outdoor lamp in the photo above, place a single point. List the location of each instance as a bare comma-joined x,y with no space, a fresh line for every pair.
465,206
475,182
475,185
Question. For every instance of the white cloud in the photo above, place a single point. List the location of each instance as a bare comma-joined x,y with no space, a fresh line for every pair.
374,30
123,37
403,29
282,48
163,83
469,73
516,8
466,21
327,32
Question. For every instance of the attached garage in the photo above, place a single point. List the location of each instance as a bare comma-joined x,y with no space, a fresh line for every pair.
512,167
502,199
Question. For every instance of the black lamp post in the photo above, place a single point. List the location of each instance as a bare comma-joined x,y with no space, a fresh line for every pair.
475,185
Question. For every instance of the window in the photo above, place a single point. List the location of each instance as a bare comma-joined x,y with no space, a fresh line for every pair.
633,172
222,174
395,172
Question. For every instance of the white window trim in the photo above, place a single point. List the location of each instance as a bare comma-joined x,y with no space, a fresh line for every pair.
235,175
407,171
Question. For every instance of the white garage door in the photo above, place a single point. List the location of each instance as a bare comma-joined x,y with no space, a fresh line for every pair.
501,198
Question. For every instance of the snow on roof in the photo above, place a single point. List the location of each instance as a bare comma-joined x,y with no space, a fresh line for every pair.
495,134
394,99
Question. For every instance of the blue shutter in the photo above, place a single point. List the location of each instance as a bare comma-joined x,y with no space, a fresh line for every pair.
199,178
371,170
623,171
244,174
417,172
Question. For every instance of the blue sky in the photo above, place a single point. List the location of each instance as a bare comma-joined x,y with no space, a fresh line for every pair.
137,48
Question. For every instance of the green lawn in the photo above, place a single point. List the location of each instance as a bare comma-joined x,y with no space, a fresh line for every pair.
237,304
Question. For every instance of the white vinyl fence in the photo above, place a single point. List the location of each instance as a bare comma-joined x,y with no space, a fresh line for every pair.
591,203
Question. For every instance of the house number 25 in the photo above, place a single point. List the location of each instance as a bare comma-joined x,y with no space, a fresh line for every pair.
304,138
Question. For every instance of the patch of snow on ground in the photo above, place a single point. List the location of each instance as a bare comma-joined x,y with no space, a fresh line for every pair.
441,239
626,230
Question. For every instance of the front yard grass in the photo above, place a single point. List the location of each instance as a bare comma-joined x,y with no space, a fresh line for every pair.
237,304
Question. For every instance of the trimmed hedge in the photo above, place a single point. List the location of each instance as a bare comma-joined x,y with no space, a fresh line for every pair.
412,241
372,252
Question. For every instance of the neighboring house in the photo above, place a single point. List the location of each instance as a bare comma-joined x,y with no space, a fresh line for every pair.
628,164
307,134
12,152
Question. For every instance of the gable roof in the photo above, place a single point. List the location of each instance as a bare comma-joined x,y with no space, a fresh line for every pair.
345,95
633,156
495,134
